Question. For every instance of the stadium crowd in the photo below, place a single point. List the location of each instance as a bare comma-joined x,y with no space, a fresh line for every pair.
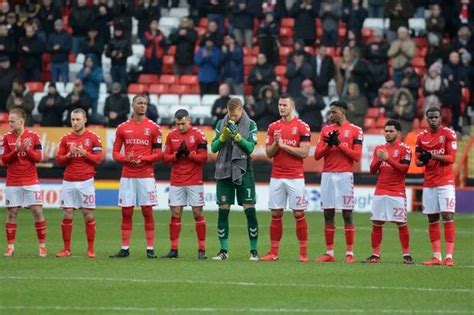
386,59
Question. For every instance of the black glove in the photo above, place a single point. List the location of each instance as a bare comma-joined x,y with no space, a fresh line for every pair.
332,138
425,156
182,150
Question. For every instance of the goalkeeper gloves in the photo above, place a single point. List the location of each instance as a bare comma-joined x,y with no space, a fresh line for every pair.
226,134
234,131
425,157
332,139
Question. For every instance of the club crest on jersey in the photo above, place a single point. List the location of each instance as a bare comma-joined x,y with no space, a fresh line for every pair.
346,133
87,142
294,130
147,131
396,153
441,139
223,198
192,140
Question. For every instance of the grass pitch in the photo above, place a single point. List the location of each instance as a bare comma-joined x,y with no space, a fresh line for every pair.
78,285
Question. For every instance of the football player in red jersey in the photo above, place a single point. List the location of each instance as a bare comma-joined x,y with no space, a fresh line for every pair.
21,149
436,151
288,141
390,162
140,139
81,151
186,150
340,144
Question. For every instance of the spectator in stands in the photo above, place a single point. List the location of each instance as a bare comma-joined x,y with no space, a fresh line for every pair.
145,12
215,10
184,38
14,27
351,40
48,14
454,80
260,75
277,87
386,94
91,76
411,80
94,44
398,12
356,71
267,35
244,12
463,14
323,70
233,64
277,8
59,45
249,106
354,17
117,107
8,46
122,12
208,58
376,56
21,97
31,48
103,22
466,68
437,51
309,105
435,23
152,111
357,105
464,41
214,33
219,108
330,14
433,88
8,74
376,8
78,98
297,70
404,108
5,7
80,19
265,111
156,45
298,48
305,12
118,49
51,107
401,51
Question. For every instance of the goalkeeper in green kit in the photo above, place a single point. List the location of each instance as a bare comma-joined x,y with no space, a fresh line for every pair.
235,139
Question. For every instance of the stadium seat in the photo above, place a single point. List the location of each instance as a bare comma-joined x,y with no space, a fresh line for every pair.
201,31
168,79
209,99
250,60
194,89
423,124
3,118
309,50
148,78
380,122
80,58
37,98
287,22
283,52
158,89
374,23
168,100
466,95
373,112
418,25
168,64
367,34
418,62
103,88
172,50
200,112
35,86
137,88
416,124
190,100
169,22
179,12
255,50
286,32
280,70
188,79
203,22
180,89
369,123
421,42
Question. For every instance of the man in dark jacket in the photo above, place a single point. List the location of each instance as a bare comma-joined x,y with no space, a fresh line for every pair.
260,75
298,69
21,97
323,70
78,98
48,14
411,81
8,74
31,48
51,108
219,108
266,110
7,43
184,38
398,12
309,106
145,12
117,107
94,44
118,49
244,12
305,12
80,19
233,65
156,45
59,45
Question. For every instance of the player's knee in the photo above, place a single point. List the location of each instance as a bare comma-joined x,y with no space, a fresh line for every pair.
37,213
298,214
347,216
12,214
329,215
197,212
277,213
176,212
68,214
447,216
432,218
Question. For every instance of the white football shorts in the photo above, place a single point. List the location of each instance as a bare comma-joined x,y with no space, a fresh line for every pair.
389,209
77,195
285,191
137,192
337,190
439,199
23,196
186,196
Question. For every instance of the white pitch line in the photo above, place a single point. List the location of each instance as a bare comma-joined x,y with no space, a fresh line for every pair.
61,308
237,283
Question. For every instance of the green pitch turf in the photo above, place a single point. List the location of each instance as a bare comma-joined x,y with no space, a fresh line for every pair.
79,285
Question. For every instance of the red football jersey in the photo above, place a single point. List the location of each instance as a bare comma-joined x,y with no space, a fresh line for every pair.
21,164
442,142
142,140
292,133
186,170
391,173
342,157
79,168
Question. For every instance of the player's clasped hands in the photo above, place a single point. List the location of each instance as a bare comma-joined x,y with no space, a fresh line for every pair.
382,155
182,150
234,131
332,139
425,156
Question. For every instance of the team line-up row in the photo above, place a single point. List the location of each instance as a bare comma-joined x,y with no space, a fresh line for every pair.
138,145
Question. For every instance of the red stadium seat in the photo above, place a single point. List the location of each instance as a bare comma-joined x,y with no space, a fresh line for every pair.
255,50
3,118
373,112
172,50
188,79
309,50
288,22
367,33
203,22
148,78
248,89
283,53
418,62
159,89
447,115
280,70
246,51
180,89
423,124
194,89
286,32
35,86
168,79
46,58
421,41
416,124
200,31
331,51
137,88
250,60
466,95
369,123
380,122
168,64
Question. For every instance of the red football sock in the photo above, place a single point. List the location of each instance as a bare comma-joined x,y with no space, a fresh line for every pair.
449,236
175,229
90,233
435,237
350,236
404,235
11,232
329,236
41,231
302,234
200,225
376,238
127,214
147,212
66,229
276,230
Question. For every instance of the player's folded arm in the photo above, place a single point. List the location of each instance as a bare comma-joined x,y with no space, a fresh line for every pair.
355,153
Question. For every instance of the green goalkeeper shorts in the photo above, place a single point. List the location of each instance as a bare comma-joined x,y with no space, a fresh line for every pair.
226,190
